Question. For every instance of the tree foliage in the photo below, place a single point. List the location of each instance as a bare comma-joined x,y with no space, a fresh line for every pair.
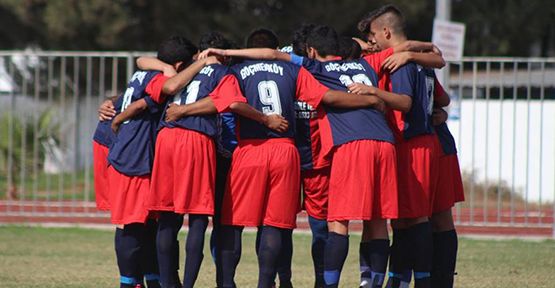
512,27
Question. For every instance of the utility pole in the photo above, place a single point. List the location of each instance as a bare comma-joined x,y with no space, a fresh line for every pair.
443,12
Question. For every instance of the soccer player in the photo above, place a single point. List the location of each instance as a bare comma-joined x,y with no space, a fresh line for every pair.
130,158
417,155
366,128
102,139
449,191
184,166
281,205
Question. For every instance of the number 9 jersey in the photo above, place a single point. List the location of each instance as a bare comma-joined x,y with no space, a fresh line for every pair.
274,91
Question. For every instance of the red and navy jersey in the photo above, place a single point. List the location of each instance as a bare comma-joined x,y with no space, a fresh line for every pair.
272,88
339,125
132,151
103,134
200,87
418,83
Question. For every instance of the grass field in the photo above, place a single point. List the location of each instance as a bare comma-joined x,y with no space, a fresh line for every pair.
74,257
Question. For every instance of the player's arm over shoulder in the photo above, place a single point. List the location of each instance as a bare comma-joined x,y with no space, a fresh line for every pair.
250,53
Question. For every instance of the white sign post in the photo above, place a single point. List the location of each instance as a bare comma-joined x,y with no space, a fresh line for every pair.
449,37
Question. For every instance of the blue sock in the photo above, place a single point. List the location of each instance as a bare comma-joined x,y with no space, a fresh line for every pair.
319,230
167,245
228,253
193,248
422,253
149,257
445,258
373,262
128,254
285,258
399,262
269,249
336,251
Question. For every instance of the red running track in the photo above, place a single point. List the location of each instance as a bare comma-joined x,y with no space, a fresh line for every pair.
518,223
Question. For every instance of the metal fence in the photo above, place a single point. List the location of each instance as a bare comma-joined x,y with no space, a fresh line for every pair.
501,116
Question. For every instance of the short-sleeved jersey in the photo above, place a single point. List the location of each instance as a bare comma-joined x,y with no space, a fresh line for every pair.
418,83
339,125
200,87
132,151
272,88
103,133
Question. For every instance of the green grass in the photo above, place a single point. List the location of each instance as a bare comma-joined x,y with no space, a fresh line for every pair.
73,257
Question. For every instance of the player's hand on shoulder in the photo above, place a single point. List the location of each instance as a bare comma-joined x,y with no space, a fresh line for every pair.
395,61
276,122
359,88
439,116
106,111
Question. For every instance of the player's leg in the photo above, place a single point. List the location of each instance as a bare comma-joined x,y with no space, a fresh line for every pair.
149,255
167,244
222,169
228,253
445,249
276,249
335,253
285,259
128,253
269,249
315,189
319,229
193,248
373,253
449,191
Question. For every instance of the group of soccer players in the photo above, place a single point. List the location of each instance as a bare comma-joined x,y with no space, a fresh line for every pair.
237,134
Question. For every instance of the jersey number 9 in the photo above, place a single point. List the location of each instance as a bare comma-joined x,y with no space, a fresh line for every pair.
268,94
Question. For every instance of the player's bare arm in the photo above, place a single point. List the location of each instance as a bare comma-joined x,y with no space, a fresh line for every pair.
252,53
206,106
396,101
131,111
179,81
152,63
175,83
342,99
106,110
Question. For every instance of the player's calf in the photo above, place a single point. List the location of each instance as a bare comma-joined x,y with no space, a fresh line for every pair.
445,249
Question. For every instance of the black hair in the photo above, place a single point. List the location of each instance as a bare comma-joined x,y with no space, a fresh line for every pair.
262,38
213,40
393,18
177,49
324,39
349,49
299,39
